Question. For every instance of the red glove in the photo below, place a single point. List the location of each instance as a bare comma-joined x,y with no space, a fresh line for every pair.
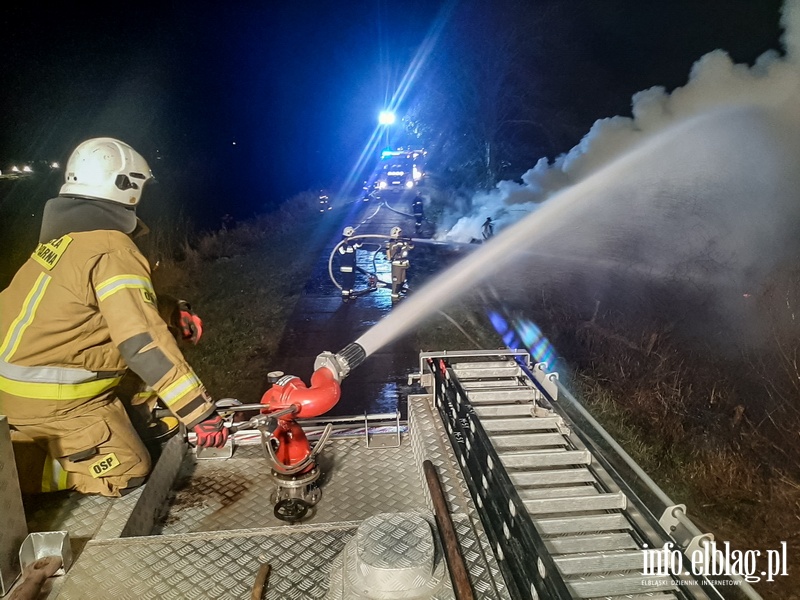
191,324
211,433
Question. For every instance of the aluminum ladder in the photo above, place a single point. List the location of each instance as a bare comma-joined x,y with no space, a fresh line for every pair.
585,525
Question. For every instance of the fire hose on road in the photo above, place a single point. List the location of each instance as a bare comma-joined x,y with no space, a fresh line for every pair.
383,239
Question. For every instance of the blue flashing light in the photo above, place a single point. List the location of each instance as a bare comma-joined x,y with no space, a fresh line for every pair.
386,117
524,333
498,322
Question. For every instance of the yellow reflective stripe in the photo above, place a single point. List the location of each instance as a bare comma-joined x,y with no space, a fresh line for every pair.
47,475
57,391
62,477
179,388
54,476
110,286
25,317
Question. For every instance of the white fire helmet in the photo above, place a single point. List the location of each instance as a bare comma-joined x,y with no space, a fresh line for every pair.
348,231
106,169
396,232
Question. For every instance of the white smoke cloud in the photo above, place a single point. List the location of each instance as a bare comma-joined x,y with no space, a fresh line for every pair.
715,82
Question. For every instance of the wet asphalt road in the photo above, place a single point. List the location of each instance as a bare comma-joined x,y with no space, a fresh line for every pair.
322,321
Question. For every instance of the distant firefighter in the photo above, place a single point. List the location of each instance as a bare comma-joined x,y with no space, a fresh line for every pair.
418,208
227,222
488,228
397,253
347,263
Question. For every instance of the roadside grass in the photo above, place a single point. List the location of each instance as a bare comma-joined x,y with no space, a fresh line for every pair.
736,495
244,283
694,422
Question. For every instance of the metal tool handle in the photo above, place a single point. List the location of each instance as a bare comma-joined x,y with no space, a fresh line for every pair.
260,584
459,573
262,421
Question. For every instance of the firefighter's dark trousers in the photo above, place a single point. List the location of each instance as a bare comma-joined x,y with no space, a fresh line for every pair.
347,268
399,268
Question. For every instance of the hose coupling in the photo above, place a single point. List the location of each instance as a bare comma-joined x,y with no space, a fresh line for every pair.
344,361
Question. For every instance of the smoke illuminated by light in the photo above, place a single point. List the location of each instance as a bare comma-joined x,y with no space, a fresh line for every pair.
715,82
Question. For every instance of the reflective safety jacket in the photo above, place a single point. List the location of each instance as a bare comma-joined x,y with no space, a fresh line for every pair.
77,314
397,251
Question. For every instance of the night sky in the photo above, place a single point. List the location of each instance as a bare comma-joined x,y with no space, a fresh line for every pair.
240,105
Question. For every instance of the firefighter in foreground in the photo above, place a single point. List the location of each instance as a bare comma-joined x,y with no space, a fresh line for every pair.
397,253
78,314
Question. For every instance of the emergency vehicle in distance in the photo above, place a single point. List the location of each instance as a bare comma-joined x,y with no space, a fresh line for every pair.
324,201
400,170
